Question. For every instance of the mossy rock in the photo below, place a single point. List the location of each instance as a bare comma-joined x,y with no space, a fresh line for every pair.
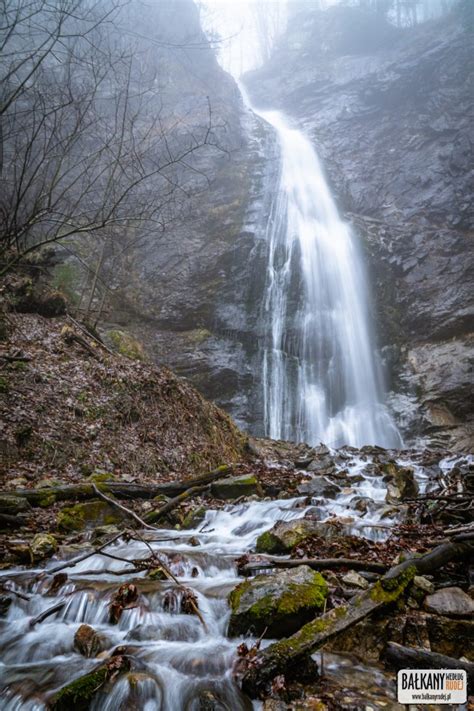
286,534
277,605
88,514
126,344
13,505
78,694
194,517
235,487
43,545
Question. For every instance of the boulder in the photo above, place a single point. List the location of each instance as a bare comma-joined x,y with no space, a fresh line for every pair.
88,642
286,534
319,486
195,517
88,514
277,605
452,602
43,545
13,505
354,580
401,482
235,487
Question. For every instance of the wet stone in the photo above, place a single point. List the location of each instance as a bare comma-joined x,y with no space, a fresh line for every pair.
319,486
452,602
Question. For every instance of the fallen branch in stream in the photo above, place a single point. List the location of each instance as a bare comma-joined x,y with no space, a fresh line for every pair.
400,657
290,657
47,613
83,556
123,508
173,503
270,562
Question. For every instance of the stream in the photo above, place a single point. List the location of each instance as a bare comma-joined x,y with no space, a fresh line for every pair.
175,658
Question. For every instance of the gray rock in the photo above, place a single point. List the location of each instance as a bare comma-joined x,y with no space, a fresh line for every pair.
452,602
319,486
354,580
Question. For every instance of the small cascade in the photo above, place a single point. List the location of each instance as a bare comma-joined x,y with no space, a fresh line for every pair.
176,658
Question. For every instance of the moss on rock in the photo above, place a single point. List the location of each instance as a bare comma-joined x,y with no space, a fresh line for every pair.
278,603
88,515
126,344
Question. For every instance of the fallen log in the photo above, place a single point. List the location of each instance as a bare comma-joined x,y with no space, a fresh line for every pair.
399,657
290,655
155,516
122,490
270,562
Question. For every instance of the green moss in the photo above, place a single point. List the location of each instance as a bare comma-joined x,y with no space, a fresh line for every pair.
277,610
126,344
194,517
46,498
87,514
79,693
268,543
3,385
298,597
101,477
236,595
389,589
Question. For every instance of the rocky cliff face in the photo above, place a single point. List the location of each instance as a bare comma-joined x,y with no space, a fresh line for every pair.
187,292
388,110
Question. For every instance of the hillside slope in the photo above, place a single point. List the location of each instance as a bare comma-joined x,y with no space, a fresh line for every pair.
69,408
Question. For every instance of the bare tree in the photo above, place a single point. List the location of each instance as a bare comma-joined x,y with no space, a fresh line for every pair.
86,146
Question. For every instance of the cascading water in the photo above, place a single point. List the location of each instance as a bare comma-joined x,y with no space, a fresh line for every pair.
321,376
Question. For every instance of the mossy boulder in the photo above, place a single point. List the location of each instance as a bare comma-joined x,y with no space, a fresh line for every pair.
194,517
126,344
235,487
43,545
286,534
88,514
79,694
13,505
279,603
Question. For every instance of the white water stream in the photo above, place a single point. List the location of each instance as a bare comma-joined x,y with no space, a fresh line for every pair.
174,656
321,374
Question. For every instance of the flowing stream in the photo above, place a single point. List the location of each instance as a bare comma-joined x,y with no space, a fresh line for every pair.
175,658
321,373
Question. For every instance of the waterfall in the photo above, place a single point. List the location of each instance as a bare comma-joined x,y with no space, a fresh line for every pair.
321,376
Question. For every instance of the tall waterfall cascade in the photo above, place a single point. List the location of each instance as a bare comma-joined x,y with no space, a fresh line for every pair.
322,380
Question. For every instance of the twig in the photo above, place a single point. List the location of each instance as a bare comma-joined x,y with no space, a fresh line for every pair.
123,508
83,556
91,335
46,613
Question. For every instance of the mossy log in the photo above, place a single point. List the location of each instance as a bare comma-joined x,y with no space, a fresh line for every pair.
78,694
122,490
285,656
400,657
155,516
